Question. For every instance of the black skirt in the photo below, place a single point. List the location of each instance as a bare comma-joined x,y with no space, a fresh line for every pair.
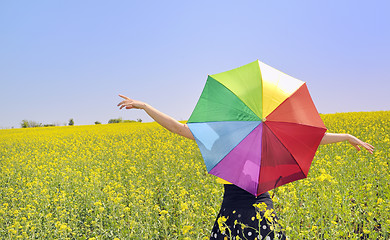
244,216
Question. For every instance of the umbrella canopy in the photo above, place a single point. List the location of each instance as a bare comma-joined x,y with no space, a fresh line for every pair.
256,127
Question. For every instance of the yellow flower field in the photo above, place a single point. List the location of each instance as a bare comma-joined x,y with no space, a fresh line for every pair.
139,181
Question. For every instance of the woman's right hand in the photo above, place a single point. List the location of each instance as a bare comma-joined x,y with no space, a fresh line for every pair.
129,103
161,118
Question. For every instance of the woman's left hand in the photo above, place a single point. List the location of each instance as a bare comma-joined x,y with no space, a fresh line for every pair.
357,143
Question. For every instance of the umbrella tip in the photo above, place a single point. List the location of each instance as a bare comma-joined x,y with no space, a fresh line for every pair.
264,119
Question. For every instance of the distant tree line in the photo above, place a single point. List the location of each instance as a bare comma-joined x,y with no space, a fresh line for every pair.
30,124
119,120
33,124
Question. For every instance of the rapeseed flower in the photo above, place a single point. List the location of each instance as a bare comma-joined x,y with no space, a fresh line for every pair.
55,180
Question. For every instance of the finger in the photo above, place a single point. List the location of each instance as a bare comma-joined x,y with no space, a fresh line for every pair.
368,145
123,106
129,101
357,147
122,96
127,106
369,148
121,103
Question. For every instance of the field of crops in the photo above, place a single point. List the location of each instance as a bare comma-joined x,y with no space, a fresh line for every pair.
139,181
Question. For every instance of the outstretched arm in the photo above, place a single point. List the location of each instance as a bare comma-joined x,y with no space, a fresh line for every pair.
340,137
161,118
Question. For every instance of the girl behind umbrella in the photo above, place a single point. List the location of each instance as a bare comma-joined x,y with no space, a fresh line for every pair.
242,215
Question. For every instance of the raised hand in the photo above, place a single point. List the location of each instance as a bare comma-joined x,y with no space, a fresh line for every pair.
129,103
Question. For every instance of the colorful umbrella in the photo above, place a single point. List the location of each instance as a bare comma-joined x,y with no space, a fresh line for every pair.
256,127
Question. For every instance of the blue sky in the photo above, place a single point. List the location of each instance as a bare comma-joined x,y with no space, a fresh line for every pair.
70,59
